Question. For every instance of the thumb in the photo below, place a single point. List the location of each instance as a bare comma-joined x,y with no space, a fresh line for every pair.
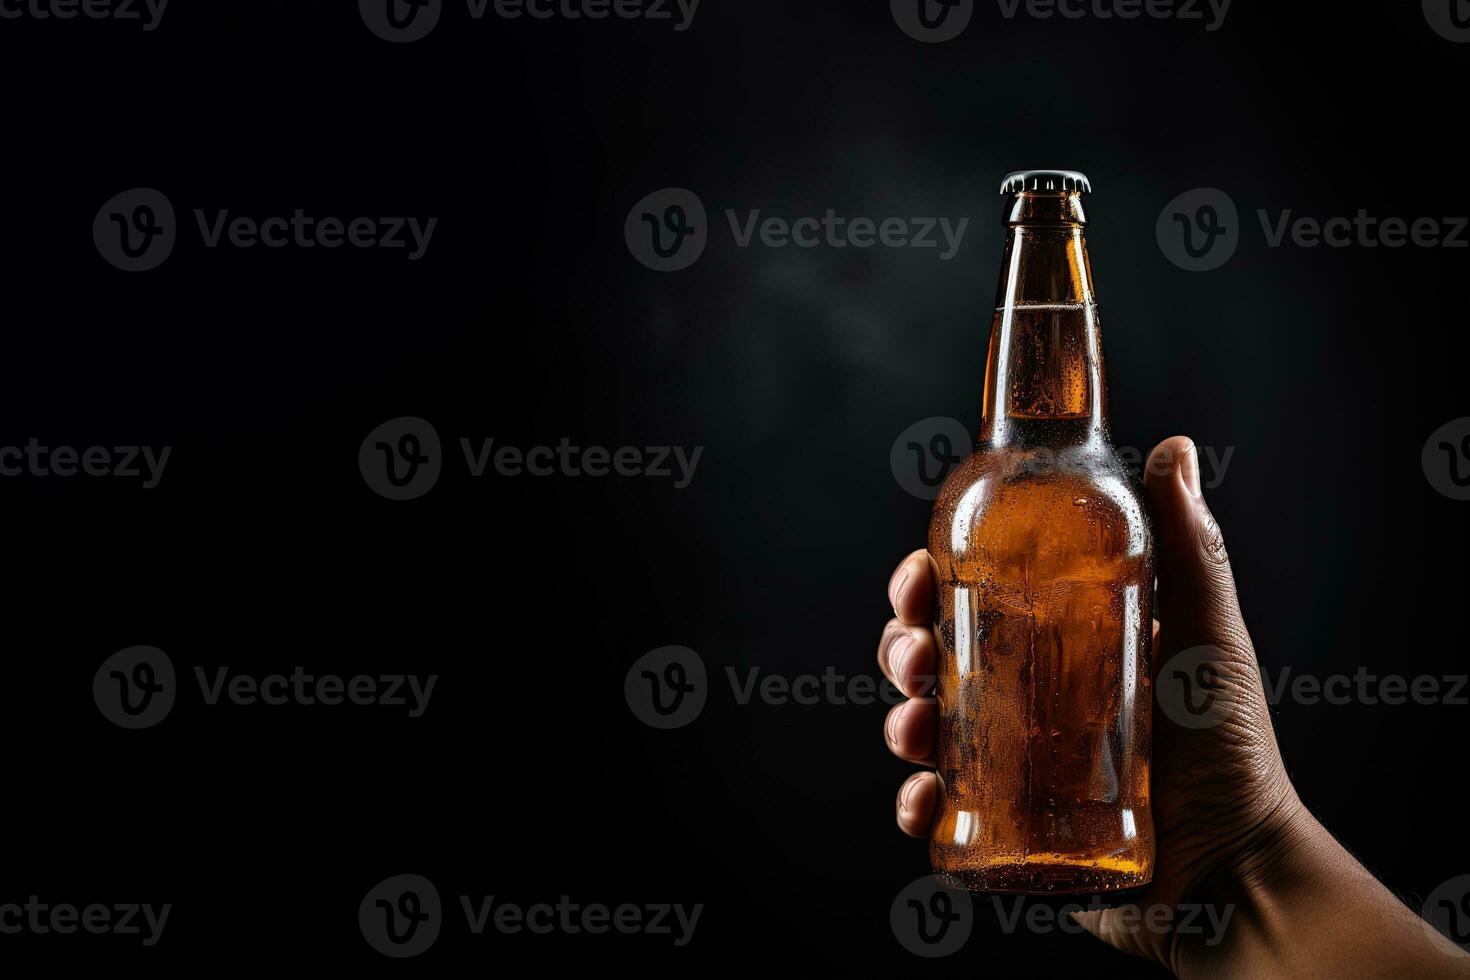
1206,678
1197,601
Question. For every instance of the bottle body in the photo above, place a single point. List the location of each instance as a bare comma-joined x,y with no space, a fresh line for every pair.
1043,563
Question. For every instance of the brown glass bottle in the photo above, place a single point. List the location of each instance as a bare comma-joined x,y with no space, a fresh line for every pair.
1044,565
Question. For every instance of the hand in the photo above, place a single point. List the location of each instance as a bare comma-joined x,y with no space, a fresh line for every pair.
1230,828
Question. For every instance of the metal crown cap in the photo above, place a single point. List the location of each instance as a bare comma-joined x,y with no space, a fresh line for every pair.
1046,180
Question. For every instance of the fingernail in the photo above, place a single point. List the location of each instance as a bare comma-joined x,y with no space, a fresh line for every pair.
888,728
899,654
903,799
1189,471
896,593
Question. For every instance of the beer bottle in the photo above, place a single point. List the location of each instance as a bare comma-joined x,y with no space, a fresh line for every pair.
1043,561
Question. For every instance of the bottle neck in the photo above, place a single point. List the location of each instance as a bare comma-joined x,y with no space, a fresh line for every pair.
1044,377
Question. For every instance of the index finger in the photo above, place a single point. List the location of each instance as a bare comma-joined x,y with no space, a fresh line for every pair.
911,589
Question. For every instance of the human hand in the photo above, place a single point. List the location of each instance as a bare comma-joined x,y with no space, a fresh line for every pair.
1229,824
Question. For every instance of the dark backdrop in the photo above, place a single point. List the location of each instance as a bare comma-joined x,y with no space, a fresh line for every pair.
529,320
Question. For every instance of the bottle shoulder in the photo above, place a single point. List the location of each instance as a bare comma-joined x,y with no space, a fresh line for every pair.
1056,509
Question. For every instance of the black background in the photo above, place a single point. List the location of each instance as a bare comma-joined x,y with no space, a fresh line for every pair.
528,320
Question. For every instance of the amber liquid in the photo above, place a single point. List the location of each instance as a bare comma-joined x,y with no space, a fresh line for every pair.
1043,560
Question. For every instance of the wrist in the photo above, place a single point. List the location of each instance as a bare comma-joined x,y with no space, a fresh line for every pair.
1300,905
1253,888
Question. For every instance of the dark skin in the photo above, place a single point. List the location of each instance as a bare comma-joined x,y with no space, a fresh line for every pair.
1231,829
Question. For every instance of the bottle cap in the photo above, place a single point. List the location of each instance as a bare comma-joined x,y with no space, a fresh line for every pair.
1059,181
